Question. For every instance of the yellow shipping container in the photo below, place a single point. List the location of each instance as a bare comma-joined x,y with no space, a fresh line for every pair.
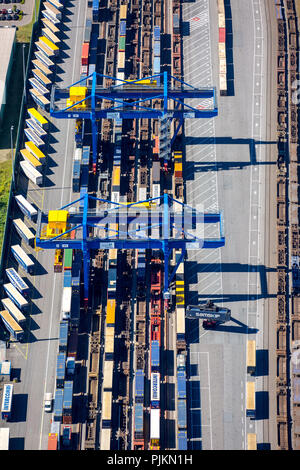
123,12
31,159
111,311
252,445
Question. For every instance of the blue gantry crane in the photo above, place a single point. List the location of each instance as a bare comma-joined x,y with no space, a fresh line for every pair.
129,100
161,223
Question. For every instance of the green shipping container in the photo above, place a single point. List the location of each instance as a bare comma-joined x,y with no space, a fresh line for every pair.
122,43
68,257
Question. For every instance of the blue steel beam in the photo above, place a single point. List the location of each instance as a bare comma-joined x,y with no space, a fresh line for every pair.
166,243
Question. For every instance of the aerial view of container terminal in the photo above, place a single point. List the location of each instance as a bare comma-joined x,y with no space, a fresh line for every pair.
149,225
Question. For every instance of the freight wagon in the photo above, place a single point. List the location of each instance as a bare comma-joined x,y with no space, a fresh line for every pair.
63,336
29,158
23,259
36,128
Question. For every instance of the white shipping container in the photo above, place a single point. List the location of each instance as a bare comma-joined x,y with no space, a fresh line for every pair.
34,175
4,438
66,302
155,386
155,423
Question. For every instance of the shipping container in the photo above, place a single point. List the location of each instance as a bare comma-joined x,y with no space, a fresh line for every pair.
222,34
17,281
139,385
250,399
63,336
73,343
34,175
28,157
32,148
154,424
68,259
9,305
155,389
4,438
181,384
67,279
251,357
24,231
68,397
75,309
34,137
44,59
23,259
43,79
36,128
76,269
155,354
15,296
181,414
138,420
85,53
11,325
108,375
58,404
38,118
50,25
60,369
53,11
123,12
7,401
182,440
66,303
40,99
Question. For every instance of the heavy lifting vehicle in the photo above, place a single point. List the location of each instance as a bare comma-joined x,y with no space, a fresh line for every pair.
210,313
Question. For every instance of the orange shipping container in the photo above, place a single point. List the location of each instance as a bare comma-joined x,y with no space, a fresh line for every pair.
85,53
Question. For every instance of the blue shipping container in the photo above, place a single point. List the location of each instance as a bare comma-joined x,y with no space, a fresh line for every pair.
138,417
182,440
67,278
122,28
156,48
63,336
58,404
60,369
156,33
139,384
181,384
182,413
68,395
155,353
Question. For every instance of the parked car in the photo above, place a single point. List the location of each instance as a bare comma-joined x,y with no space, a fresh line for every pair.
4,11
9,17
4,17
48,402
15,17
10,11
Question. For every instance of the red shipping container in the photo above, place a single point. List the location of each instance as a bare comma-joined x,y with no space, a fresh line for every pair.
85,53
156,145
222,34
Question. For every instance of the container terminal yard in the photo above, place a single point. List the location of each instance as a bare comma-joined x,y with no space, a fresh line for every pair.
150,279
